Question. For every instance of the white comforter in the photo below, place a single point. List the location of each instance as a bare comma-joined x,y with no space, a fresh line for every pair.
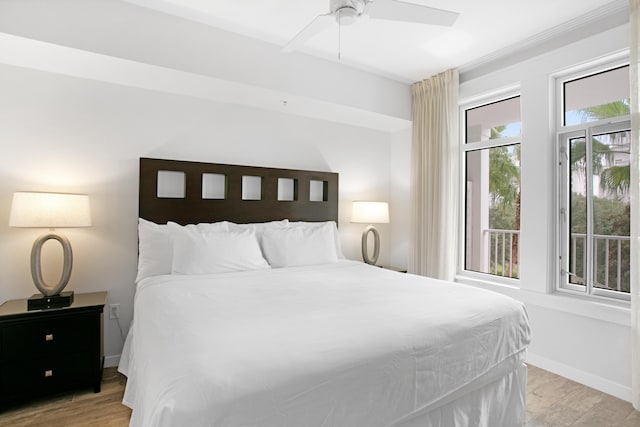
344,344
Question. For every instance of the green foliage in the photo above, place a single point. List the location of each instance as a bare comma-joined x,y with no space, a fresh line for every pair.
599,153
607,214
611,217
504,184
504,189
605,111
496,132
500,270
614,180
502,217
504,176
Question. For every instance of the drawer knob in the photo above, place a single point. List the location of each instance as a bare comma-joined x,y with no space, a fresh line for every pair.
48,373
48,337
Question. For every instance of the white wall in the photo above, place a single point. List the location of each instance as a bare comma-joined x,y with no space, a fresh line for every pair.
586,340
61,133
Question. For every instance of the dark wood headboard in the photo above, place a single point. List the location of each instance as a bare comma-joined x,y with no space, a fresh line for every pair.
192,208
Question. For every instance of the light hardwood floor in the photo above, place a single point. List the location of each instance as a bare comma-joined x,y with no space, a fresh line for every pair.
556,401
83,408
551,401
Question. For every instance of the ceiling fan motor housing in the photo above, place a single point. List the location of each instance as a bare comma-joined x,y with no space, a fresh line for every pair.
347,11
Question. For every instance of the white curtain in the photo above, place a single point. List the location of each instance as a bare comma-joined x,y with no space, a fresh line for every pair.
634,9
434,176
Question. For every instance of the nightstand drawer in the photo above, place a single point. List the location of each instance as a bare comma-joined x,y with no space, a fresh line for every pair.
47,374
39,338
49,351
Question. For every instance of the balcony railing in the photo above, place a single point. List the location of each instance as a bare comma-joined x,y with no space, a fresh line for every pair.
612,259
501,261
608,255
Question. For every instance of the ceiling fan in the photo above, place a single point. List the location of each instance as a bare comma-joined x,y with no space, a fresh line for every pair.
346,12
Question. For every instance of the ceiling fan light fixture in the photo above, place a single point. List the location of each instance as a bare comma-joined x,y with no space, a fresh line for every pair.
346,15
347,11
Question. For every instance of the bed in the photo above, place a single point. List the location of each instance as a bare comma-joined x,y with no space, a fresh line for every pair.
293,334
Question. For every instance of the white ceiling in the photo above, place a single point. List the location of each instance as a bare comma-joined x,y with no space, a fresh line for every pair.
404,51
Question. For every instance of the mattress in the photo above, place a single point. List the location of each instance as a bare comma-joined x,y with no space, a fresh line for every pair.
342,344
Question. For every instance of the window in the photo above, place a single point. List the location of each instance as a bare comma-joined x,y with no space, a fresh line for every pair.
594,179
597,96
491,157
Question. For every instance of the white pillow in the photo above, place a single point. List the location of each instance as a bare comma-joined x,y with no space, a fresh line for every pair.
336,235
215,252
206,227
155,247
259,227
299,245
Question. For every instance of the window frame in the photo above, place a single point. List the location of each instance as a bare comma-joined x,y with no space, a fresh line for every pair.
465,147
563,135
558,79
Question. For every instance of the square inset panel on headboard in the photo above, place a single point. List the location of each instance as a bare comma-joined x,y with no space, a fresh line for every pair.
171,185
287,189
214,192
214,186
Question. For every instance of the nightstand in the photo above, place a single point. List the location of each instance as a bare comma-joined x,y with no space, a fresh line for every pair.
388,267
53,350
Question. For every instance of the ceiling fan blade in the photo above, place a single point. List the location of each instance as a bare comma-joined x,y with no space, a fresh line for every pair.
394,10
316,26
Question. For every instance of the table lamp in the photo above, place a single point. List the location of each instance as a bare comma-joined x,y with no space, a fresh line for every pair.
366,212
50,210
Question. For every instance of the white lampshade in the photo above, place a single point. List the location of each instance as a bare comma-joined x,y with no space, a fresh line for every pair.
49,210
370,212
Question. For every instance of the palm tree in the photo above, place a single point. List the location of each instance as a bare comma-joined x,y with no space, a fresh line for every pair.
504,186
614,179
599,150
503,174
605,111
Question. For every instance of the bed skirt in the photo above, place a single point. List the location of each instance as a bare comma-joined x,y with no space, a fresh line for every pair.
501,402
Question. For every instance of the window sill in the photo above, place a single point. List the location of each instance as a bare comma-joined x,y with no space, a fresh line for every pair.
603,309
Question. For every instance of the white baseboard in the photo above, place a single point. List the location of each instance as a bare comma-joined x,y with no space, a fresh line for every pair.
602,384
113,361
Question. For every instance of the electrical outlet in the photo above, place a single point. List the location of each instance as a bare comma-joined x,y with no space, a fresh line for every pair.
114,311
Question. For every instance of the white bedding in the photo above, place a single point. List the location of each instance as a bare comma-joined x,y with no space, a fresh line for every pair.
342,344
